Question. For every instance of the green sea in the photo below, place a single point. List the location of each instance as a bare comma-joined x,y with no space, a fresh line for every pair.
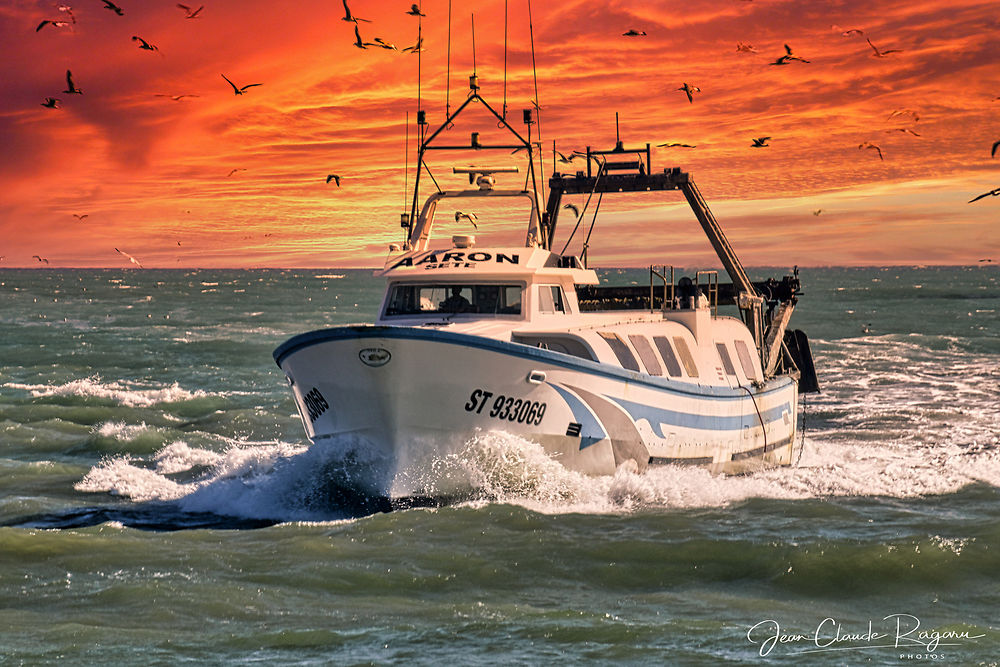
160,505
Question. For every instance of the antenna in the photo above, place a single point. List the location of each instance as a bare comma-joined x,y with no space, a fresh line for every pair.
447,90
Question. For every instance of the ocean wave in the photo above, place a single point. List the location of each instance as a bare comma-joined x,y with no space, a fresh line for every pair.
116,391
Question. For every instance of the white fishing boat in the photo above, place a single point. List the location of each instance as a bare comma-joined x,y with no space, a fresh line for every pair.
472,338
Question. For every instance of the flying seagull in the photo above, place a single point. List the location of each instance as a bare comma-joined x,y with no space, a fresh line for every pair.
788,57
51,103
240,91
351,18
54,24
868,144
471,217
905,130
333,177
904,112
688,90
745,48
817,211
991,193
993,153
81,218
634,33
191,14
68,10
113,7
415,11
130,257
70,88
573,208
175,98
760,142
357,38
143,44
566,160
40,259
416,48
233,171
384,44
881,54
676,144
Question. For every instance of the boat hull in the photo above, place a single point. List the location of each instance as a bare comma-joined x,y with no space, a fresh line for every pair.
416,396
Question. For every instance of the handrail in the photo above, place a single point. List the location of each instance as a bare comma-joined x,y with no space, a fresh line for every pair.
711,287
668,304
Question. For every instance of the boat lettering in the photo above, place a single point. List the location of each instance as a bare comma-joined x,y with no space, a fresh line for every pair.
457,259
315,403
507,408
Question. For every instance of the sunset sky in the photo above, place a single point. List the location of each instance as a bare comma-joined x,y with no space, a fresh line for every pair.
155,176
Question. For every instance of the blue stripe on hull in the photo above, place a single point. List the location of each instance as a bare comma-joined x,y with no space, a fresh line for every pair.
518,350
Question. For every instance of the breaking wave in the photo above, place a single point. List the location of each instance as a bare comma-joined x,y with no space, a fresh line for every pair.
119,392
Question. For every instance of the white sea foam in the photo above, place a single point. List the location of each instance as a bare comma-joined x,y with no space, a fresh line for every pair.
119,430
116,391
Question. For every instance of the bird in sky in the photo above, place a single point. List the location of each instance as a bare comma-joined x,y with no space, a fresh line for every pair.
71,89
904,112
357,38
68,11
81,218
113,7
143,44
348,16
415,11
566,160
881,54
991,193
760,142
175,98
573,208
191,13
852,31
384,44
51,103
742,47
416,48
868,144
634,33
993,153
817,211
130,257
986,260
676,144
333,177
40,259
471,217
54,24
237,90
904,130
233,171
788,57
689,90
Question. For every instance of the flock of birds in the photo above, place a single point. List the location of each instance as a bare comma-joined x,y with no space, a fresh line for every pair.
189,12
788,57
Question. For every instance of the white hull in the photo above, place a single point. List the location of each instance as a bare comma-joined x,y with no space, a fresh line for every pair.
419,395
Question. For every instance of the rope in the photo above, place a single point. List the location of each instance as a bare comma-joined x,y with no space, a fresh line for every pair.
763,429
579,218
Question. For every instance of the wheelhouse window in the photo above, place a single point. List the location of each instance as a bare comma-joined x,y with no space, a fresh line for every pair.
550,299
453,298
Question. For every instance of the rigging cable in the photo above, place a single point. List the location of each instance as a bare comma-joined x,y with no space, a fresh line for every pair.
420,50
504,62
579,218
538,107
472,90
447,89
406,161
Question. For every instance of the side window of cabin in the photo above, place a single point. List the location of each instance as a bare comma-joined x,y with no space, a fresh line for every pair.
645,350
621,350
511,300
667,353
550,299
565,345
685,354
727,361
747,361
